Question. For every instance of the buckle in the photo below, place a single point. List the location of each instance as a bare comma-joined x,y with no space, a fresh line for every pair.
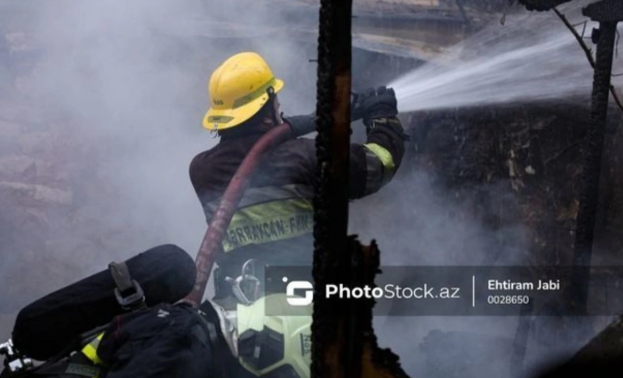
133,300
239,291
13,360
125,284
246,285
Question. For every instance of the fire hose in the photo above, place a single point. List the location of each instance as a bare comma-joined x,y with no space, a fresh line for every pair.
229,202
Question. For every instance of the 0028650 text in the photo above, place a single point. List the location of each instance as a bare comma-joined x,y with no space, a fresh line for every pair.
507,299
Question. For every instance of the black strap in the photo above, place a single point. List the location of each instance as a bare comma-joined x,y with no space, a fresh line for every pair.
56,369
271,98
218,346
129,293
121,275
212,333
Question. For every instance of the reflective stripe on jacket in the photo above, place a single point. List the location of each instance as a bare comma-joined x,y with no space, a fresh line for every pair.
268,214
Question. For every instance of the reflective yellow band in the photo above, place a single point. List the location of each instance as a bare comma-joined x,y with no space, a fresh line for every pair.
383,155
387,169
90,350
219,119
269,222
254,196
255,94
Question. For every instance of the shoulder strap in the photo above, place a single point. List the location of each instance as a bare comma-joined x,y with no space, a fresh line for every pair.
128,292
121,274
218,346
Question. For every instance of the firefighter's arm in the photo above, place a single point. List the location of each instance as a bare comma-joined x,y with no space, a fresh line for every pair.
371,104
373,164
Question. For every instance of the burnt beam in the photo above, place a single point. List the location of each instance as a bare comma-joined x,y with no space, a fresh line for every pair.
336,342
603,13
343,340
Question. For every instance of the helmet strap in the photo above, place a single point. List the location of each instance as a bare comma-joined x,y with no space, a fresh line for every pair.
271,101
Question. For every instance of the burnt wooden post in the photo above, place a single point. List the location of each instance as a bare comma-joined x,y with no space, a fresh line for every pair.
343,340
608,13
336,346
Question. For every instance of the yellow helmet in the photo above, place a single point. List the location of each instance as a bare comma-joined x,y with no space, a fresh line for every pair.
238,90
274,346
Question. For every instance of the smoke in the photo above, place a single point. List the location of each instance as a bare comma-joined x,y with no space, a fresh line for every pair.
132,77
128,80
417,224
126,83
533,56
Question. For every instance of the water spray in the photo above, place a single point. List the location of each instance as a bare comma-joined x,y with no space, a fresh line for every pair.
533,57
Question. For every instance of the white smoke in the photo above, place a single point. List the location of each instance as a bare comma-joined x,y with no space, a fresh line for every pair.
130,78
127,81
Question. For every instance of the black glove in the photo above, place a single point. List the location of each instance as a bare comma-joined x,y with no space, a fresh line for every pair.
382,105
357,102
302,125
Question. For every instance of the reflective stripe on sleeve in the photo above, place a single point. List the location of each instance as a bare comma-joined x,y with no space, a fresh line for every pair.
380,167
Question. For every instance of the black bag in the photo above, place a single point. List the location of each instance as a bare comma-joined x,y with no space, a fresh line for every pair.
47,326
169,341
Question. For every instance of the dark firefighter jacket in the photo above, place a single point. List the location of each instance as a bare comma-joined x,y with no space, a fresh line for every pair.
274,220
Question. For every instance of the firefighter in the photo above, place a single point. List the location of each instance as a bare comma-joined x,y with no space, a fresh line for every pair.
273,223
